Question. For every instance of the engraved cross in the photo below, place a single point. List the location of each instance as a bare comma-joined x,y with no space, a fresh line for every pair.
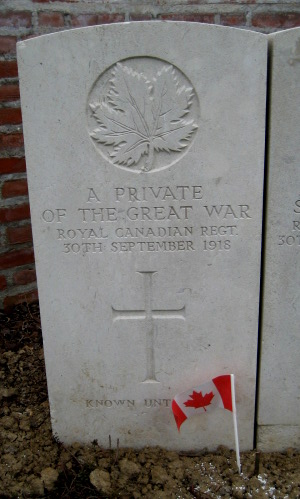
149,315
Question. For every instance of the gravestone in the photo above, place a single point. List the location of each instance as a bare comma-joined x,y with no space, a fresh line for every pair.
144,146
279,402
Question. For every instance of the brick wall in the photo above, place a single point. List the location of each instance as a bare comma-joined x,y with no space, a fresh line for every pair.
20,19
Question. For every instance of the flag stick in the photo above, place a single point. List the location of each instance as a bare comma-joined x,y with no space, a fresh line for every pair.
236,438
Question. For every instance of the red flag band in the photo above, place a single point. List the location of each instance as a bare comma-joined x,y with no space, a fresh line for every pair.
203,398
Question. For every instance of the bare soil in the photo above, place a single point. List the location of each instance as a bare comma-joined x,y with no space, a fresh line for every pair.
34,464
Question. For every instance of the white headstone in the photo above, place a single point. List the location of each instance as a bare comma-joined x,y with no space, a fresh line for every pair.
279,401
144,147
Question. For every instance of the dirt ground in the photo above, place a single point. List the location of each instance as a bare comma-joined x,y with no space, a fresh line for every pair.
34,464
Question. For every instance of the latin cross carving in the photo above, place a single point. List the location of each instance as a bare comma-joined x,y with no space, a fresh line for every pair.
150,316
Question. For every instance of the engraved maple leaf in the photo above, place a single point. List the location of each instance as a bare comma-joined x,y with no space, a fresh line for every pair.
198,400
139,115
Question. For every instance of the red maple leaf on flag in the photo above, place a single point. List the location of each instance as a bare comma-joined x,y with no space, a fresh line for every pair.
197,400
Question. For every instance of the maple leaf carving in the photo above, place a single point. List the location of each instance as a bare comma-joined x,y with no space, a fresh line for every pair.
197,400
139,116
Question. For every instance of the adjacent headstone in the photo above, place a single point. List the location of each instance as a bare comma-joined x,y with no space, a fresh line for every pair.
279,401
144,146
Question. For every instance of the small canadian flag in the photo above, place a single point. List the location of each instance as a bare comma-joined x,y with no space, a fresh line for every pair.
218,392
203,398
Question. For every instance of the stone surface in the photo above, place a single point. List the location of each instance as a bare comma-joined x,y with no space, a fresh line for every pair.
144,148
279,402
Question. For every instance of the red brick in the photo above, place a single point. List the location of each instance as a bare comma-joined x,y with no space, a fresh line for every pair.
13,213
140,17
191,17
84,20
51,19
23,38
8,69
8,44
50,1
11,140
10,116
16,258
12,165
24,276
110,18
248,2
15,19
276,20
233,19
17,235
9,92
3,283
204,2
92,19
13,188
28,297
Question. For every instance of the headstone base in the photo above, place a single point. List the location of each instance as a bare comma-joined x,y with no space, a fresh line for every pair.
277,438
